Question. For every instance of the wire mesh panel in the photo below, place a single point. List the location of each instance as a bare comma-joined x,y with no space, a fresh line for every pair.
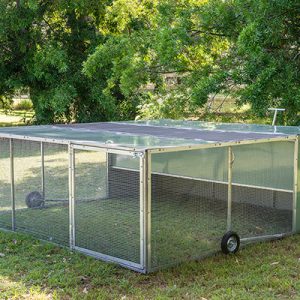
262,189
5,187
188,213
107,212
44,219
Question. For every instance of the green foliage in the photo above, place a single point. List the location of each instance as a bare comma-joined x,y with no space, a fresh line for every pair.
44,46
172,105
263,62
246,49
24,104
88,60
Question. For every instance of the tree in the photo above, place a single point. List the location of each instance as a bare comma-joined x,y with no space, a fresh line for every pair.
263,60
247,49
149,41
92,60
43,46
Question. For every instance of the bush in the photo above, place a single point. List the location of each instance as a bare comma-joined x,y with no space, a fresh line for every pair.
24,104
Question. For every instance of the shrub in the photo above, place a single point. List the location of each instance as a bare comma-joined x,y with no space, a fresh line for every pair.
24,104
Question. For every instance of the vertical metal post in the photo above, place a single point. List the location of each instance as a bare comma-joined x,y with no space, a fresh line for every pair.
149,208
229,206
43,169
12,185
71,196
295,185
143,188
274,117
145,211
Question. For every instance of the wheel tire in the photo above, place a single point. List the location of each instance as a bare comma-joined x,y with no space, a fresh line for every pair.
34,200
230,243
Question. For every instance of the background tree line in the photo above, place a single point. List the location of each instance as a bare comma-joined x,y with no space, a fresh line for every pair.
89,60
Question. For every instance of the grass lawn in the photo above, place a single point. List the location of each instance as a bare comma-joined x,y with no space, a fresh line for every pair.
15,117
30,269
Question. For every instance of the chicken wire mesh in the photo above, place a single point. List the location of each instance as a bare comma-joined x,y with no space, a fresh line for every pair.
260,212
107,206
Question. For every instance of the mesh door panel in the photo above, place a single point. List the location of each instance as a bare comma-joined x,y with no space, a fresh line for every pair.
188,215
48,221
5,197
107,215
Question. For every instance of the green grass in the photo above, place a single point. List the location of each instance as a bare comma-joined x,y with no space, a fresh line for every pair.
181,230
30,269
15,117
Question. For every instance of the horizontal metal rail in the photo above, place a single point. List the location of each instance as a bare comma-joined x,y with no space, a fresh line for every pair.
211,181
266,237
110,146
108,258
167,149
107,149
68,141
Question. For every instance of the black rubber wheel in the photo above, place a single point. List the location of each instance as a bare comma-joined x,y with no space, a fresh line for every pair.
230,243
34,200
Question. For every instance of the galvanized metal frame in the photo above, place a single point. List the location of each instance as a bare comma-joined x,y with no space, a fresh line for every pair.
148,210
229,189
217,145
107,149
150,149
295,185
43,170
265,237
112,259
12,185
74,142
71,196
211,180
143,188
